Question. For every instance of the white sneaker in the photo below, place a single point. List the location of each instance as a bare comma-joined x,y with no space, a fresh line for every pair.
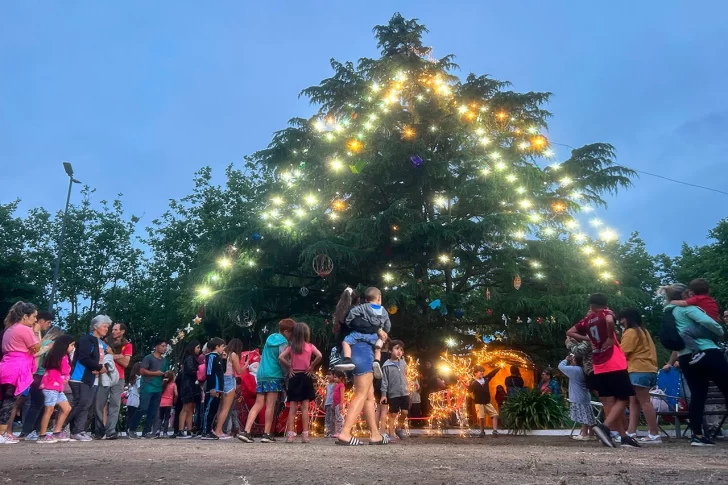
651,439
32,436
7,440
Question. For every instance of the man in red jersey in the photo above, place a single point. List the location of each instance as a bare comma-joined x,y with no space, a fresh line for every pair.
610,369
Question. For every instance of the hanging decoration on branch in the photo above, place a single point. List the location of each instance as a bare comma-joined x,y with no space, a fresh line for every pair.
303,291
200,315
392,309
323,265
459,313
487,294
417,160
517,282
246,318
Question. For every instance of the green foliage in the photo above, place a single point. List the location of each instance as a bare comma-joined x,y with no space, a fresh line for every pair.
529,409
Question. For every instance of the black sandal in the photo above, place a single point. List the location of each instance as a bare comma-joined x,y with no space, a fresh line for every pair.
383,441
352,442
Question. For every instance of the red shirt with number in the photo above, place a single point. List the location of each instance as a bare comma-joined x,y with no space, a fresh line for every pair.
605,359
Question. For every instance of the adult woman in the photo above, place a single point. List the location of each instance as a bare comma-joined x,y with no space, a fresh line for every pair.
549,385
362,355
189,391
19,345
233,369
641,354
514,382
712,367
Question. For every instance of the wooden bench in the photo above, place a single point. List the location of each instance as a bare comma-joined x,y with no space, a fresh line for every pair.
714,398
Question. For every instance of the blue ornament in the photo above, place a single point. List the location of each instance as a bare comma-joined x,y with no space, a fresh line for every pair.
487,339
459,313
417,160
435,304
257,236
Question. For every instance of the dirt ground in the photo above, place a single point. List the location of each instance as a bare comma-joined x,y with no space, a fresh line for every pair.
419,460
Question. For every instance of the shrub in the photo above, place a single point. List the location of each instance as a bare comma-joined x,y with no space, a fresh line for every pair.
529,410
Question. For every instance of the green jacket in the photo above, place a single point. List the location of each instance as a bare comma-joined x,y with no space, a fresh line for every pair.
689,315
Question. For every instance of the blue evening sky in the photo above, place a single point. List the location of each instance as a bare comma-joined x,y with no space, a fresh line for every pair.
138,95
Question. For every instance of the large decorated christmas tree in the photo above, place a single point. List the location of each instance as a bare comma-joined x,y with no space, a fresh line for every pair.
444,192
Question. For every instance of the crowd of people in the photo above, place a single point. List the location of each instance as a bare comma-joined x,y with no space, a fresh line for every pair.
68,388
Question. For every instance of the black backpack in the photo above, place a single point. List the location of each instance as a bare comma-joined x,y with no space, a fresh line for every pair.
669,336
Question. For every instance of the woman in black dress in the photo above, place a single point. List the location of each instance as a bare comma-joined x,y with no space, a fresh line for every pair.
189,391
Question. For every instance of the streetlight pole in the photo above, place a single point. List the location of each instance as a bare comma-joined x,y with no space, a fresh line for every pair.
69,170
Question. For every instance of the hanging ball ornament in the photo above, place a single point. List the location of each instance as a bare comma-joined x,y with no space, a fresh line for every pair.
392,309
256,236
244,319
303,291
459,313
323,265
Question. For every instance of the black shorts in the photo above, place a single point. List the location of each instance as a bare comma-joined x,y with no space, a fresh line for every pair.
614,384
397,404
300,388
591,382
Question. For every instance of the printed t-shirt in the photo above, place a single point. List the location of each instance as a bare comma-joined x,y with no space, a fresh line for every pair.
609,359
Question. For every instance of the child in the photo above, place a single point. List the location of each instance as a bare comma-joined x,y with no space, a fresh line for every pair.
329,405
169,397
480,390
270,381
300,385
395,391
701,298
500,396
213,386
579,396
132,390
57,373
338,400
369,323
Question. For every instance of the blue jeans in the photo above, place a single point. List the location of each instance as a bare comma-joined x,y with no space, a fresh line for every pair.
149,407
362,355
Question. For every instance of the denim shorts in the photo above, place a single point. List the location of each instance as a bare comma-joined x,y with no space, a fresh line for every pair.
643,379
228,384
51,397
362,355
356,337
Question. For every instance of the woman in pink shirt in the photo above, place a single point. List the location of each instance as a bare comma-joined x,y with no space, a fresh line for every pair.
297,360
19,346
57,372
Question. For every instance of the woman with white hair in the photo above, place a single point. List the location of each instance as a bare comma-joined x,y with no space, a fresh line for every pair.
712,367
86,368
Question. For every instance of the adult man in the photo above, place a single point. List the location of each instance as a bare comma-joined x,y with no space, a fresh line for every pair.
34,403
85,373
153,368
112,394
610,368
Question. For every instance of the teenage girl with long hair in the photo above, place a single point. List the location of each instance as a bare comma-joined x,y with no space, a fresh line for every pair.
641,354
57,372
233,368
296,359
189,390
348,299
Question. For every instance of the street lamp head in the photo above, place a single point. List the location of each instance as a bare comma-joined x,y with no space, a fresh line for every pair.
75,181
68,168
